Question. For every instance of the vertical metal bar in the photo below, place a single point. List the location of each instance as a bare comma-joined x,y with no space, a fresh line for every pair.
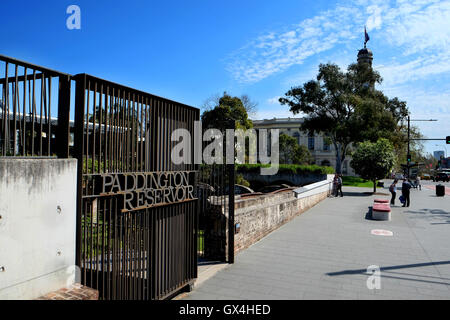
16,87
49,131
80,98
6,114
40,113
63,128
86,131
34,113
100,133
94,122
24,114
231,178
107,129
133,139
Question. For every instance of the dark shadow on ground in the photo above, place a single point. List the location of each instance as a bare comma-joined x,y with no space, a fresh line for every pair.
356,194
429,211
202,262
369,214
430,214
388,270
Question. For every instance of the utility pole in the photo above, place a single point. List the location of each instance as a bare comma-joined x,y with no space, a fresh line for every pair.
408,156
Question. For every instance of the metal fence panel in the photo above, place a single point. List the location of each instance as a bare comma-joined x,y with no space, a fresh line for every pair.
144,253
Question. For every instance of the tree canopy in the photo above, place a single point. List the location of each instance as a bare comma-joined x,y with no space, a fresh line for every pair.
346,107
293,153
228,109
373,161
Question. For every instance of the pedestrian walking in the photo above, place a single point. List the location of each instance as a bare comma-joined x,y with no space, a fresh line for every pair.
418,185
406,190
393,190
339,185
335,185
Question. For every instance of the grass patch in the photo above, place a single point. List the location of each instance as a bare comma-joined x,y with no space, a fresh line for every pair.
356,182
201,241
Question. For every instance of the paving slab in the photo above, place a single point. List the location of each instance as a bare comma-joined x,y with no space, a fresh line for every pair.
325,252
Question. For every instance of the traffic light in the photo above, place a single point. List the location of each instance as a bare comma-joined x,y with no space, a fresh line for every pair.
408,158
447,140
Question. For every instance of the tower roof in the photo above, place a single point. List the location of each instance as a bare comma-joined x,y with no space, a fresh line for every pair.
365,51
365,56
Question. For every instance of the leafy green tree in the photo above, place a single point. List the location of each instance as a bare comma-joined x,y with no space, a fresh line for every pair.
373,161
291,152
214,100
346,107
229,109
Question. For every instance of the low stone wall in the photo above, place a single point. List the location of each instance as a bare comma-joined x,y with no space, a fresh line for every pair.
256,217
290,178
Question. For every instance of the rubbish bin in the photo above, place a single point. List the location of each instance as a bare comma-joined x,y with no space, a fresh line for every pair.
440,190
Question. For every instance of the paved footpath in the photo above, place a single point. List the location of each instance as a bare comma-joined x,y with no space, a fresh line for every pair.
325,253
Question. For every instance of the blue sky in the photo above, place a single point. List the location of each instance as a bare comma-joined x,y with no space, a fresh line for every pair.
190,50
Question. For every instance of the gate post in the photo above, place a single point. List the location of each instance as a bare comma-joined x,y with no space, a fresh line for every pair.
231,180
80,98
63,129
231,213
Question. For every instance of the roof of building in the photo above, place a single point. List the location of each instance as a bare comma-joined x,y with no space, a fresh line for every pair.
365,51
278,121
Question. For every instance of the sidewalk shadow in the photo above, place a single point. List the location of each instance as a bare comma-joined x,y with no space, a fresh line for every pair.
431,214
399,275
204,262
356,194
369,214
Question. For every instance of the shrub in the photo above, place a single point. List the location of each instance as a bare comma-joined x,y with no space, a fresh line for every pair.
286,168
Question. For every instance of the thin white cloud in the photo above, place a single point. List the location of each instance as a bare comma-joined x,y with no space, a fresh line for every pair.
274,100
276,51
419,27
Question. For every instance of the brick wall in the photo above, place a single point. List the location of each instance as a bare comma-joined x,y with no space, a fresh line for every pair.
75,292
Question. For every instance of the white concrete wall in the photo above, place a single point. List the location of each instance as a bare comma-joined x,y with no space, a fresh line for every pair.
37,226
315,188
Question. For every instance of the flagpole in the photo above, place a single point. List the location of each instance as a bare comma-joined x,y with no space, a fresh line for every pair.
365,37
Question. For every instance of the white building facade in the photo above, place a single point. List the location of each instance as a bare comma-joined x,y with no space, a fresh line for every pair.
323,153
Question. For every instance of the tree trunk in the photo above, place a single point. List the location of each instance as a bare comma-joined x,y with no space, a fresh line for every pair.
374,186
338,160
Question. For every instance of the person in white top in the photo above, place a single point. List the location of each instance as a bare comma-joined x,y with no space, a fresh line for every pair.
418,185
393,190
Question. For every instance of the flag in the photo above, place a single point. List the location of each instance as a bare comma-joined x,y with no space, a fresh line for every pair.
366,35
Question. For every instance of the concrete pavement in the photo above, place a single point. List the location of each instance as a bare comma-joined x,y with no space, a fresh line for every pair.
325,253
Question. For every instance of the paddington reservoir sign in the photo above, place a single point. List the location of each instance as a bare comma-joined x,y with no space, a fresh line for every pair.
148,189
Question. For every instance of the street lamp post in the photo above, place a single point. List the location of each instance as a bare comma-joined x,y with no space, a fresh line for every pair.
408,159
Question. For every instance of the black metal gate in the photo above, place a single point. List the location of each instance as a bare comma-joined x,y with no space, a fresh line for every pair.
135,242
135,239
216,213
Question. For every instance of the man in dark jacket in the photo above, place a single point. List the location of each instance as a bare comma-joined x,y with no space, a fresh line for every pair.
406,187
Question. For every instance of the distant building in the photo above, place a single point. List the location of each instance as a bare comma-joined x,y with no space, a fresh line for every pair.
439,154
445,163
323,153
